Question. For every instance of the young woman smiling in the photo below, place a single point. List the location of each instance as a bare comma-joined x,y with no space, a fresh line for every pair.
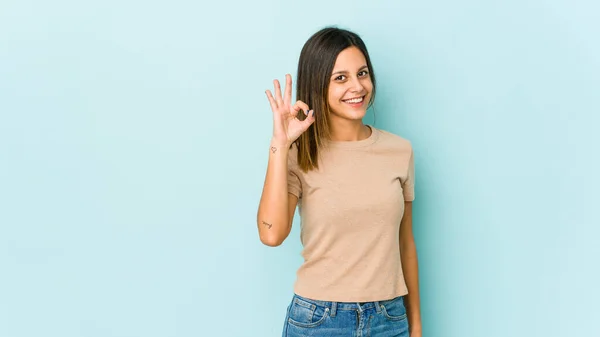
354,186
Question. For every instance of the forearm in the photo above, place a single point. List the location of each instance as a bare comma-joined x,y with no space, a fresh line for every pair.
272,217
410,267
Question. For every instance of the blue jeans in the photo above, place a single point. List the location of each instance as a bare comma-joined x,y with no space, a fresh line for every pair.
307,317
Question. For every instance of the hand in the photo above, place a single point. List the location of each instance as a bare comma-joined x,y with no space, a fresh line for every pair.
286,126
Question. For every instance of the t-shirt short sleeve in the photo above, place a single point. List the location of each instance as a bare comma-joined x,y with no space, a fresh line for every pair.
408,183
293,176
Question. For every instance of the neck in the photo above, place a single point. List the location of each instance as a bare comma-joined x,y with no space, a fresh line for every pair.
348,131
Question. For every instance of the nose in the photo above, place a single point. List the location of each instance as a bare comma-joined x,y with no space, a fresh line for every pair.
357,85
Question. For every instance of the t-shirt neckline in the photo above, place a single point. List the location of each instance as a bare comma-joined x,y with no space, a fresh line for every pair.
356,143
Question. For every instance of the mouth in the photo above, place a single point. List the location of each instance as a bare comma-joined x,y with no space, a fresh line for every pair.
355,101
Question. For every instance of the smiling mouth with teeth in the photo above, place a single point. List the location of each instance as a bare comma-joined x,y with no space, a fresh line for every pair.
354,100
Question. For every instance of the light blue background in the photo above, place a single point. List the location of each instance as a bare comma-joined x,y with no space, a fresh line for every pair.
133,148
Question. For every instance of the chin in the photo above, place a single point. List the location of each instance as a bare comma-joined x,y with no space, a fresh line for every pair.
354,115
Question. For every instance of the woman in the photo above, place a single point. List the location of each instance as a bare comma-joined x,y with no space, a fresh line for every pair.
354,186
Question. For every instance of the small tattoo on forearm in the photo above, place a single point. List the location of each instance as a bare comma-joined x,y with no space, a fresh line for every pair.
267,224
274,149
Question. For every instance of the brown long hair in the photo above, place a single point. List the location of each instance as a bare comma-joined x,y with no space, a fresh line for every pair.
315,66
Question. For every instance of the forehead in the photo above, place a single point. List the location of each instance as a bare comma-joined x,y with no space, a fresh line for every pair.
350,58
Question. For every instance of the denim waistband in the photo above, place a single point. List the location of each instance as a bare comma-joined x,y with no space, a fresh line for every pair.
335,306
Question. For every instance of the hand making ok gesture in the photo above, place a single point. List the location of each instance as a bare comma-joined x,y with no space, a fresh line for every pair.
286,126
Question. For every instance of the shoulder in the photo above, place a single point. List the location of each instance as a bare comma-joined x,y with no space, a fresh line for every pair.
393,141
399,152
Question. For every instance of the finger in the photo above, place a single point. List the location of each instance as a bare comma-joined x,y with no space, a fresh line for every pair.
310,118
271,100
299,105
277,92
287,97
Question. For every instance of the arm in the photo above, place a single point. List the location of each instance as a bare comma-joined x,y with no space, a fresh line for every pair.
408,254
277,206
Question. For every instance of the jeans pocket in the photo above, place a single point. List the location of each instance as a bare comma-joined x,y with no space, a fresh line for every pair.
394,309
304,314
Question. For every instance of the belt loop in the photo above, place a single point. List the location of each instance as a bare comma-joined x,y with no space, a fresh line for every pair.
333,308
378,307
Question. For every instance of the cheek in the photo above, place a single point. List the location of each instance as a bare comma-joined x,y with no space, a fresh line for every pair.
335,95
368,85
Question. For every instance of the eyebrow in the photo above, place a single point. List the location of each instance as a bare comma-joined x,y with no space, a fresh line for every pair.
345,71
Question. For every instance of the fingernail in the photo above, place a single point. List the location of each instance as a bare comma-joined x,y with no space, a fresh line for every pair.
313,113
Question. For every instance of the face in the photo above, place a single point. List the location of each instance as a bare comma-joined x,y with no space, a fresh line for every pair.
350,85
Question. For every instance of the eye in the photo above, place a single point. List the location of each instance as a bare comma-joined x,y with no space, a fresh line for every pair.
340,78
363,73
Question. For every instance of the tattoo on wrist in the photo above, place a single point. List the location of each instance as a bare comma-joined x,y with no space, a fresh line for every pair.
273,149
267,224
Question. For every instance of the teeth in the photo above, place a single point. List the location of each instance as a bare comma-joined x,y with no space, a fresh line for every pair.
354,100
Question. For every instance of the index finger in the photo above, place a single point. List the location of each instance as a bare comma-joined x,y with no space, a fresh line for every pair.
287,98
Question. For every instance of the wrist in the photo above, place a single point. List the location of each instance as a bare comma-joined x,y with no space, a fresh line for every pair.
280,145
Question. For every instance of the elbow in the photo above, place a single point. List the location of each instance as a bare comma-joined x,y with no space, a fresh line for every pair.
271,234
408,248
270,240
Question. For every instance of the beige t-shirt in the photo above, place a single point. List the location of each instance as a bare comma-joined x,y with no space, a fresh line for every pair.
350,210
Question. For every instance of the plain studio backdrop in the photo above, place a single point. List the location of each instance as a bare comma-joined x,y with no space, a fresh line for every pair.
134,141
